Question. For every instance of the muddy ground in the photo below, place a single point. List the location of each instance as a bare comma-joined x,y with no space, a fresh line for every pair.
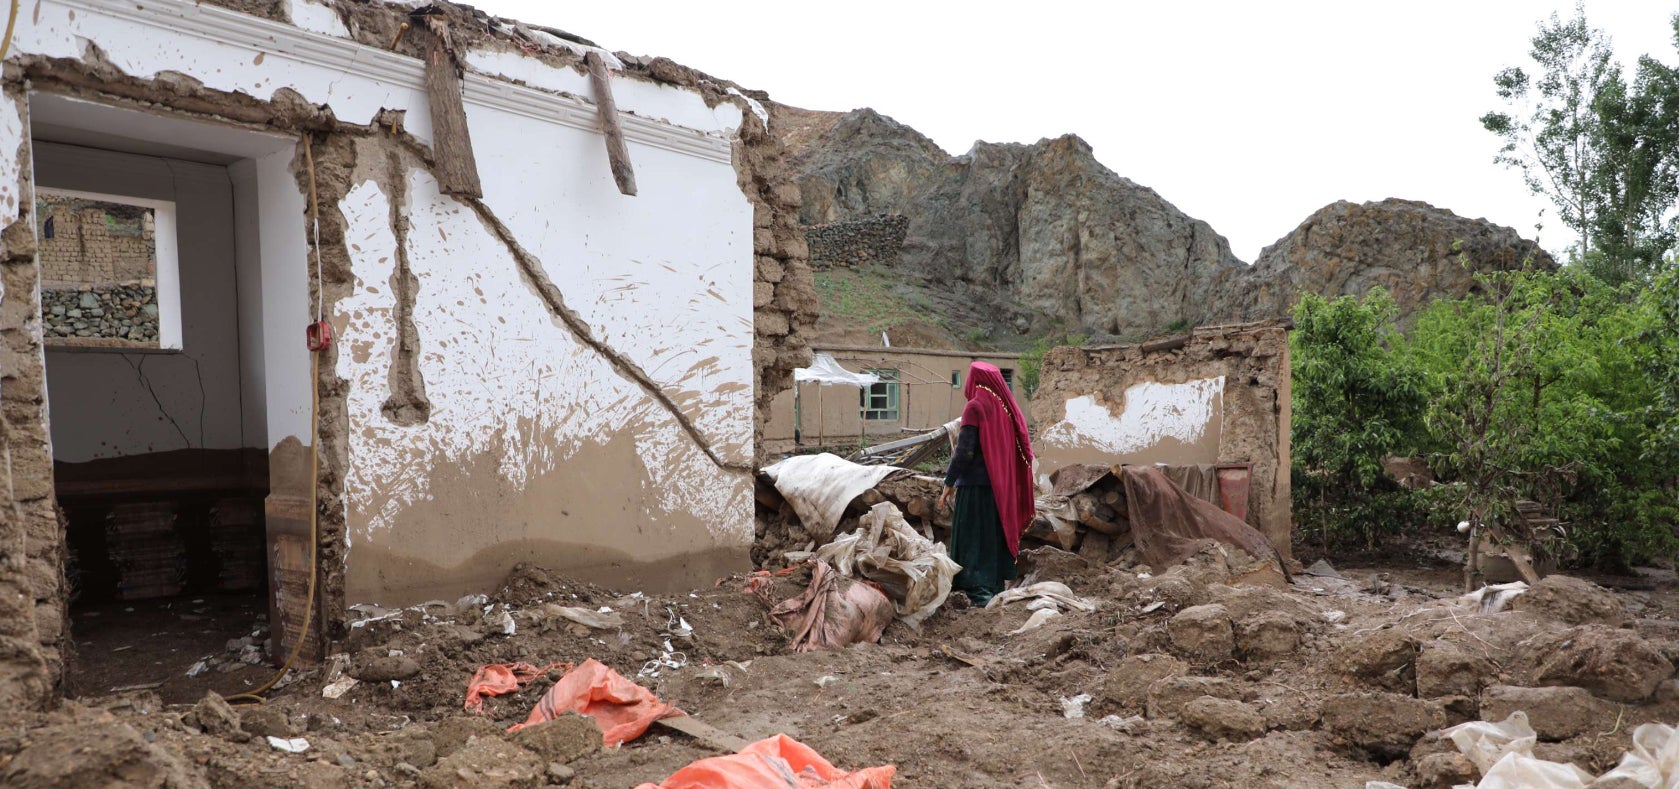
1191,682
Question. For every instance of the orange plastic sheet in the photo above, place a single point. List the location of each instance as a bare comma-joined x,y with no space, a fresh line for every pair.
621,708
498,679
779,762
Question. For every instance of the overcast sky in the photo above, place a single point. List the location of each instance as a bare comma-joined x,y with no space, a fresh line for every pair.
1247,115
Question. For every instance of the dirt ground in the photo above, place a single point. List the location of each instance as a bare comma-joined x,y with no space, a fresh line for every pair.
1178,680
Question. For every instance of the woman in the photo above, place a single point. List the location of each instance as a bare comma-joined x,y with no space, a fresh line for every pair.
990,479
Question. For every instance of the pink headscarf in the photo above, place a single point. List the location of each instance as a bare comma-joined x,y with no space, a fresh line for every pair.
1005,446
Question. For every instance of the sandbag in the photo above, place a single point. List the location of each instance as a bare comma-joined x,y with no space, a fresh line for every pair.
834,611
622,709
777,762
911,569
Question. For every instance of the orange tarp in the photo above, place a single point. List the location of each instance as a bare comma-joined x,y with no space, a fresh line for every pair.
621,708
500,678
779,762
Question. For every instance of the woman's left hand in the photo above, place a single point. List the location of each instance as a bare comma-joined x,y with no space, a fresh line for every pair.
947,497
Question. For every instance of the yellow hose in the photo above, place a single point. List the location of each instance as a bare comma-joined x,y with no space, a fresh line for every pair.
11,22
255,696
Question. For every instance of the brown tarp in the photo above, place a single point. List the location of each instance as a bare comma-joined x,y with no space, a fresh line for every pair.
1169,525
834,611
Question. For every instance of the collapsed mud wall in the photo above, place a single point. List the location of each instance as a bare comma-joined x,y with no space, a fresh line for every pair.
553,371
1218,395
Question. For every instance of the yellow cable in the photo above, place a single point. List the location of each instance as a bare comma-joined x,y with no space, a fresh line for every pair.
255,696
11,22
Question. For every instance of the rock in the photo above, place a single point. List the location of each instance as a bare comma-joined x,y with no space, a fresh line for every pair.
1409,247
95,754
487,764
1294,712
1128,683
1572,601
1443,669
1385,724
1444,771
1385,659
559,773
1556,713
1268,635
1223,719
216,717
1610,662
1203,633
562,739
1167,697
378,665
1048,563
266,720
450,734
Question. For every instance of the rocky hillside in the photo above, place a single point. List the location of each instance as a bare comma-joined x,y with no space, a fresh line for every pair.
1414,250
1008,242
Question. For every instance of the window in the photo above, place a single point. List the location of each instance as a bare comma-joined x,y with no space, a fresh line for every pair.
1008,376
109,273
956,379
880,401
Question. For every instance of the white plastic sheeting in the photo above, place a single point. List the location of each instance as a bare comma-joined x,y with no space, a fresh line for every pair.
820,487
1503,752
915,572
824,369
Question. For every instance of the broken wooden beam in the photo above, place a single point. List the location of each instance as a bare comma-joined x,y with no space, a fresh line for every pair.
451,144
705,733
617,151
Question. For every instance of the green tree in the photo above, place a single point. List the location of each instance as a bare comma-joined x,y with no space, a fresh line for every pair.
1032,360
1604,152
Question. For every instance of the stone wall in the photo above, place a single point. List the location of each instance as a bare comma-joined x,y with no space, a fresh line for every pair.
93,242
115,312
1220,394
853,242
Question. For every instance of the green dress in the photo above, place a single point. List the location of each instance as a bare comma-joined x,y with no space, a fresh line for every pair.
976,543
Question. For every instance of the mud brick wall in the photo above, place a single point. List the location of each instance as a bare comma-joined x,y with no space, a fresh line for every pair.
118,312
1216,395
94,243
853,242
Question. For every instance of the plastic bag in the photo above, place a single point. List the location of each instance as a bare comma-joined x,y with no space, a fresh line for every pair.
779,761
1653,760
1486,743
622,709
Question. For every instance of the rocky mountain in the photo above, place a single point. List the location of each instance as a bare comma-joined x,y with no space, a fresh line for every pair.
1009,241
1416,251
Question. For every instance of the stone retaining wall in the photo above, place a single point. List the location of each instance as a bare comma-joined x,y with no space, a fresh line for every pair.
852,242
108,312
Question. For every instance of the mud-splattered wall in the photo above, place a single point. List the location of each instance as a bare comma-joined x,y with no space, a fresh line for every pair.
553,372
1216,395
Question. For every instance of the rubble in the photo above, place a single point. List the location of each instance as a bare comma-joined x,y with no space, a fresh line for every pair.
1555,713
1612,663
1223,719
1574,601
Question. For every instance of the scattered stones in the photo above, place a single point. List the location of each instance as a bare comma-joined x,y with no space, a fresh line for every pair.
562,739
1385,659
1167,697
1223,719
1610,662
1556,713
1203,633
1128,683
123,311
1443,669
1268,635
487,764
217,718
1573,601
264,720
1385,724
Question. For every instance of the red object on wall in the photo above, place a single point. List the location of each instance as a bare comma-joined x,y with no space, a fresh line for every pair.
1233,488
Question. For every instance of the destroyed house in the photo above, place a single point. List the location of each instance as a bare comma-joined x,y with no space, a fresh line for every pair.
371,301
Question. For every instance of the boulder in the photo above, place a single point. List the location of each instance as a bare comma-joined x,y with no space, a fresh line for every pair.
1167,697
1203,633
1556,713
1385,659
1385,724
1267,635
1128,683
1444,669
1572,601
1610,662
1223,719
562,739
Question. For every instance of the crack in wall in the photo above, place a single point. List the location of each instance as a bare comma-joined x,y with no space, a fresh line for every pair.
407,404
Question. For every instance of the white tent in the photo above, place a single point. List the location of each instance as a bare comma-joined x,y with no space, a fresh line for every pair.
826,371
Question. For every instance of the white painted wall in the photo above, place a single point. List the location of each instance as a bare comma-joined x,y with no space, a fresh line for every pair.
110,403
1148,414
665,278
